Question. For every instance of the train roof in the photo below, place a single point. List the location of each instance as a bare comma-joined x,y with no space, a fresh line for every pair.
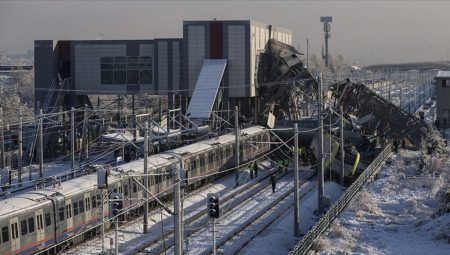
22,202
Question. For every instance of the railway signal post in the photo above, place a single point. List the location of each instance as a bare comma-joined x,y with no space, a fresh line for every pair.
213,211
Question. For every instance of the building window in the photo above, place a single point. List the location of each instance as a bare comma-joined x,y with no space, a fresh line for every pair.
126,70
132,76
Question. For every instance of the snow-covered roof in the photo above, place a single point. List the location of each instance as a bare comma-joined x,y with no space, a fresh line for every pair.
443,74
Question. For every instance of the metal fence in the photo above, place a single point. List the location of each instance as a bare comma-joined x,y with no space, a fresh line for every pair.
303,247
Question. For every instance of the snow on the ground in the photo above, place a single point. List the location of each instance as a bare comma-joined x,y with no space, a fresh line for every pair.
394,214
279,237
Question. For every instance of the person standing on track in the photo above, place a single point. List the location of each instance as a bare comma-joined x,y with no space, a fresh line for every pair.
273,182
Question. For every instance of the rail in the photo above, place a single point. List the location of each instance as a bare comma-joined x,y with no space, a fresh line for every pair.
303,247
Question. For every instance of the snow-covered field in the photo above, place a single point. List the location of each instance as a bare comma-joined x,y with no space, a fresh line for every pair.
394,214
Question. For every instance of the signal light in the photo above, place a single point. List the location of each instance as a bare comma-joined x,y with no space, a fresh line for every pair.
116,205
213,206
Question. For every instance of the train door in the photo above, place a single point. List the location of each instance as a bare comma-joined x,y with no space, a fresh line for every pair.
69,218
87,207
40,230
15,237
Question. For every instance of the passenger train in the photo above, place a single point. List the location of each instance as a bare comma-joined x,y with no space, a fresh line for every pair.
32,221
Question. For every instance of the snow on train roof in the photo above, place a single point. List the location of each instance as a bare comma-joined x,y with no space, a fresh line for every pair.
26,201
223,139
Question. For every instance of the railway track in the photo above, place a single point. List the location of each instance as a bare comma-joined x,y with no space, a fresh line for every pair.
233,205
239,240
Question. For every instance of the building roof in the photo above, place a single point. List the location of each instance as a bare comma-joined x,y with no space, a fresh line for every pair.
443,74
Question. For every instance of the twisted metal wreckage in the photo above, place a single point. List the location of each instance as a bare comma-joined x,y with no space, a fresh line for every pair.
288,86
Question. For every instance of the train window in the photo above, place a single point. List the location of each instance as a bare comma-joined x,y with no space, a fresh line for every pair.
48,220
23,227
88,203
75,208
81,206
93,202
14,231
202,161
158,179
61,214
134,187
125,190
5,234
69,211
211,158
99,200
39,223
31,225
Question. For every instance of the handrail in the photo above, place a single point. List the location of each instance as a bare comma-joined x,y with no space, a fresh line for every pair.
303,247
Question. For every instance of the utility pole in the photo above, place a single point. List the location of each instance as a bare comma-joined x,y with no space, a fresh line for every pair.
41,146
119,106
19,163
177,211
296,185
342,144
307,53
85,134
103,221
134,119
320,150
72,141
146,177
236,133
2,134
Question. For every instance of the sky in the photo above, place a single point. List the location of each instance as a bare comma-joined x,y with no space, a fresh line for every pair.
364,32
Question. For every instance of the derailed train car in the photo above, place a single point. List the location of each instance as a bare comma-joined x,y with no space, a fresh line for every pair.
34,220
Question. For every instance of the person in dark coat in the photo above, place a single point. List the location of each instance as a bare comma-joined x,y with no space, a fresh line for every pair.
273,182
255,168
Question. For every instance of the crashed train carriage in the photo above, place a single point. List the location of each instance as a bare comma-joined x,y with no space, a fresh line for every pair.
37,219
